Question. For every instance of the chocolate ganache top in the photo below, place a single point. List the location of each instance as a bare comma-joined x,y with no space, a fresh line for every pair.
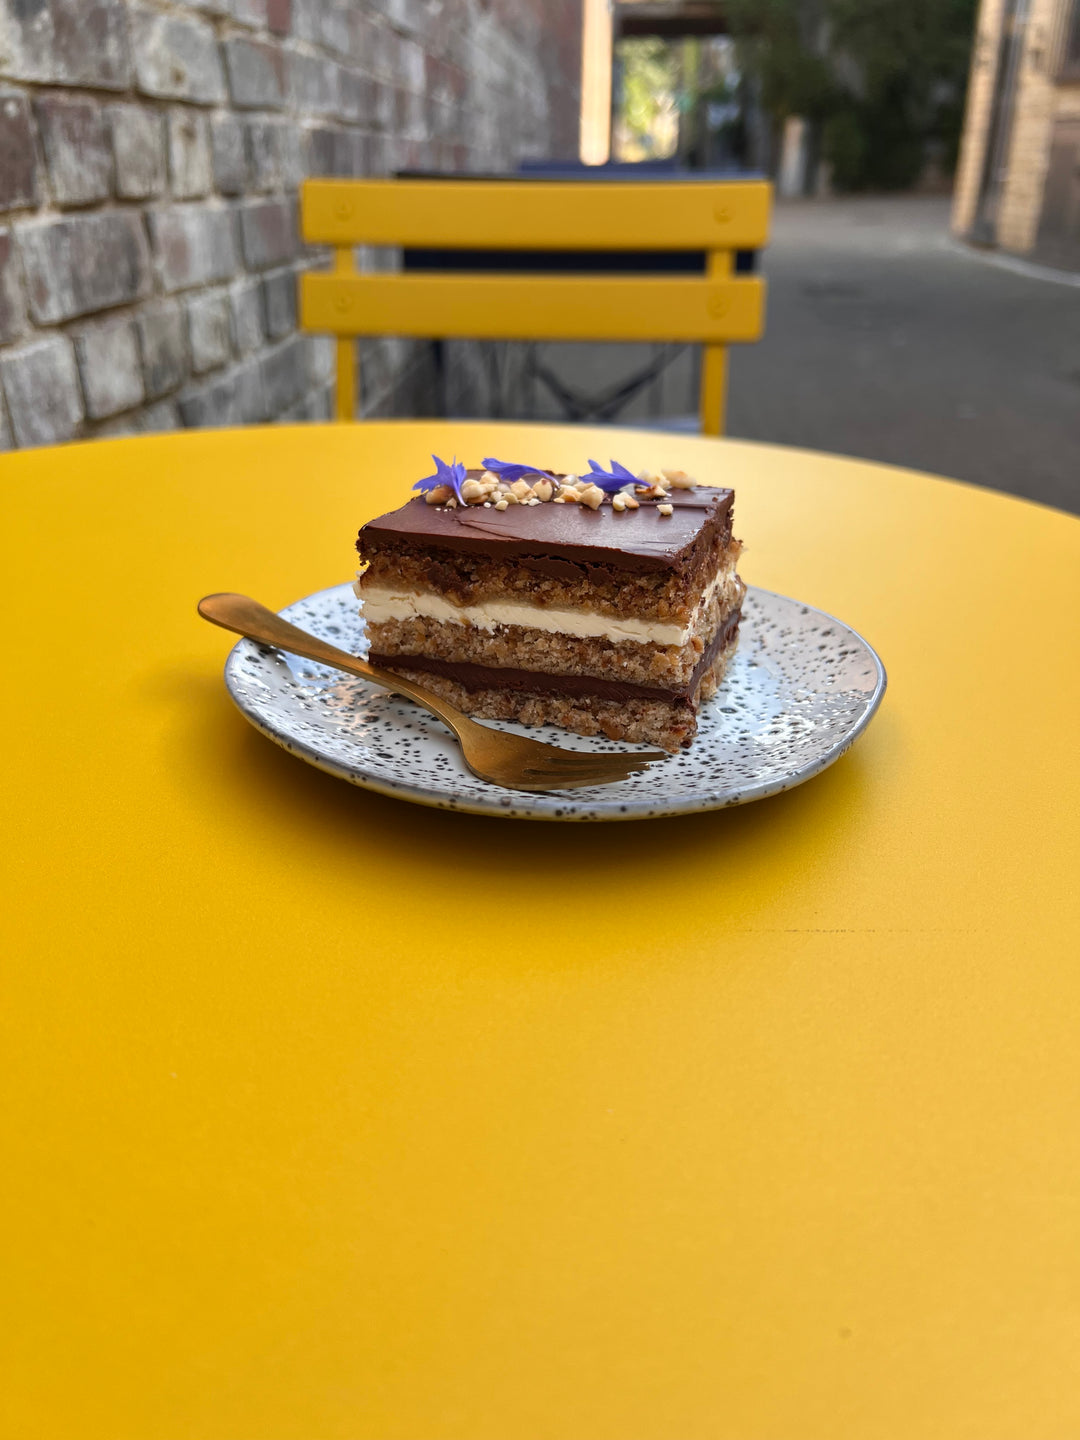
637,541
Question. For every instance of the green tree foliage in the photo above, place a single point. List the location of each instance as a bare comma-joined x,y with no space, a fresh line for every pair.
883,79
648,96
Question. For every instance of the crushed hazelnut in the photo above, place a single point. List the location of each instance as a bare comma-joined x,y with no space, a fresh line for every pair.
438,496
543,490
592,496
487,478
521,489
630,502
618,502
665,509
487,504
678,479
451,504
472,491
502,504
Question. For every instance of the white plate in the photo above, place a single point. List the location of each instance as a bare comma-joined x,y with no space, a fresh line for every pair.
801,688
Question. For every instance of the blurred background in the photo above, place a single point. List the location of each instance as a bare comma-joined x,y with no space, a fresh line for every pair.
924,267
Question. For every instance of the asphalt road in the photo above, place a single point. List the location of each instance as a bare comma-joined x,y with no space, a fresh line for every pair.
889,341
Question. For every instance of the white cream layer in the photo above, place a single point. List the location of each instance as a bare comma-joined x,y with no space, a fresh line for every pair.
383,604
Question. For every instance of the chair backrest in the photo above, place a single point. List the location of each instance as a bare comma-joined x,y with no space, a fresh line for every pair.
713,309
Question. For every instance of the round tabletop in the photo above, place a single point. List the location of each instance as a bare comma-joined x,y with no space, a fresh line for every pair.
328,1117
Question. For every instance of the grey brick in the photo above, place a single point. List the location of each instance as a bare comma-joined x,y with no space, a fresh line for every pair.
292,156
150,420
234,399
209,331
42,389
12,300
279,303
245,297
337,152
357,96
176,58
163,346
77,148
190,168
411,70
65,42
250,12
18,165
108,356
285,374
256,74
306,20
264,153
320,404
83,263
139,147
321,358
314,84
230,161
252,393
383,106
268,232
194,245
334,29
274,154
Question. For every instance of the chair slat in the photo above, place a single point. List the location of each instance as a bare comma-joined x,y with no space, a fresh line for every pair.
537,307
537,214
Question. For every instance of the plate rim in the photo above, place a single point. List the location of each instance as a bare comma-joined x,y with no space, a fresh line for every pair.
554,806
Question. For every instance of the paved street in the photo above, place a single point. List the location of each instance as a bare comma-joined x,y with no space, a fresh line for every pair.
888,341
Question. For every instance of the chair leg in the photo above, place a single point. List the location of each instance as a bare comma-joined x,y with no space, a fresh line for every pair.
346,379
714,357
713,388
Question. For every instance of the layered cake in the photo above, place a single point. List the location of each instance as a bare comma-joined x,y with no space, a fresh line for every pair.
606,603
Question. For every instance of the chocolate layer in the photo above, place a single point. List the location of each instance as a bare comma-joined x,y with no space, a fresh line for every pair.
534,682
561,541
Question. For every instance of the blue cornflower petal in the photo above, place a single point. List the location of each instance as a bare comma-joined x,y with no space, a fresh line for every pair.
610,480
453,475
509,471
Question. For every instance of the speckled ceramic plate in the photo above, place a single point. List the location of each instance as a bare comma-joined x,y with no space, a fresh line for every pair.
801,688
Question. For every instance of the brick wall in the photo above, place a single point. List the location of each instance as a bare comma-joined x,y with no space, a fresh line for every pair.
980,95
1039,98
150,155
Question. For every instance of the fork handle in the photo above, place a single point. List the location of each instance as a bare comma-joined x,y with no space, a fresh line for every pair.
247,617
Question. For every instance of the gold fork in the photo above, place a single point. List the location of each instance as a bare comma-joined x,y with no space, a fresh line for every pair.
512,761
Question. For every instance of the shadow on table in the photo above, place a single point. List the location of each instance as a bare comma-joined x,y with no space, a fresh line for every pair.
277,791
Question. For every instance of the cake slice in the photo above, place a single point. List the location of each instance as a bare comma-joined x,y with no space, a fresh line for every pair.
607,604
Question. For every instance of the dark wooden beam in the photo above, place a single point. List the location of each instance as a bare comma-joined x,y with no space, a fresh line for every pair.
679,17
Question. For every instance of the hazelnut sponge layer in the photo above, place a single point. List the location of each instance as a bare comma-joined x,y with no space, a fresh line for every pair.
634,719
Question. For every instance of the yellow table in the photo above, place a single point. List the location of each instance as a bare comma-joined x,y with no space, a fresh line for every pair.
327,1117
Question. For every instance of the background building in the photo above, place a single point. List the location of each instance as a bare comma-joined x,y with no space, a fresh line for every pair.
1018,182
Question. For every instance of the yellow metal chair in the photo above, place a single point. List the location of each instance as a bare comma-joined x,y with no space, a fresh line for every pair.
714,310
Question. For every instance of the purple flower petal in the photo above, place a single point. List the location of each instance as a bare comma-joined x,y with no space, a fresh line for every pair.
453,475
610,480
509,471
